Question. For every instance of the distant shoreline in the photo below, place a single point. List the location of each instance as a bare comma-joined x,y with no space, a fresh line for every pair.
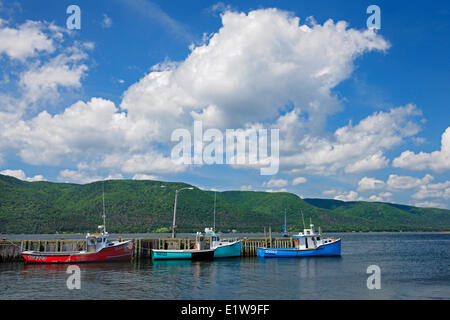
69,236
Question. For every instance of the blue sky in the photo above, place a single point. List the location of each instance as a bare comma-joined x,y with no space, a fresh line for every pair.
84,105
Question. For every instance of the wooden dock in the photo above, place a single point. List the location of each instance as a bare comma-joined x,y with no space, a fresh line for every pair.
10,249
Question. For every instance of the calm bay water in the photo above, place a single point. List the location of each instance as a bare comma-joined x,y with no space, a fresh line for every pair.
413,266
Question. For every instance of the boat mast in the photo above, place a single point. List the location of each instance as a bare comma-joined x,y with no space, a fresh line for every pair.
303,219
104,215
284,220
174,214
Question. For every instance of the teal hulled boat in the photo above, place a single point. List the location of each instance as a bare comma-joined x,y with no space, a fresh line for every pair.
223,248
203,250
191,254
216,248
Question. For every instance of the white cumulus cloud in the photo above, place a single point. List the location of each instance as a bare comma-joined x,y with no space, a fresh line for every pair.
437,160
367,183
355,148
433,190
249,70
407,182
347,196
241,76
275,183
45,80
299,180
20,174
77,176
430,204
28,39
141,176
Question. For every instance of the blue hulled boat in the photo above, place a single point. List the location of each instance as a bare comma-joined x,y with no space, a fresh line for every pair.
307,244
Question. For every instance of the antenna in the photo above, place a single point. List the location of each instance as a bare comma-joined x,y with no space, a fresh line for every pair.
304,227
214,226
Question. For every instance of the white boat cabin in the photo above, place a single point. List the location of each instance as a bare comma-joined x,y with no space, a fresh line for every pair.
96,242
215,240
200,242
309,239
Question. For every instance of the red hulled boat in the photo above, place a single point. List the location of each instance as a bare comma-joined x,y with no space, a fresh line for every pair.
97,249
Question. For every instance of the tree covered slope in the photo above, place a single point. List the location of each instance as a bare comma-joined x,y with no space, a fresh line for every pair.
143,206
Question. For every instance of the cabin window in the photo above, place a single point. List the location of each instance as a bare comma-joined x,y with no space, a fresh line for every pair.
99,239
306,243
318,238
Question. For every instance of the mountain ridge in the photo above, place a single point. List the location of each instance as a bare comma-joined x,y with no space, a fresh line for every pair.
135,206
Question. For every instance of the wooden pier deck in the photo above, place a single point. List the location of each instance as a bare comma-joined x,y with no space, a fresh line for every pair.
10,249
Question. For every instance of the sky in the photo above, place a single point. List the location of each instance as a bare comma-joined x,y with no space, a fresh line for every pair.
361,113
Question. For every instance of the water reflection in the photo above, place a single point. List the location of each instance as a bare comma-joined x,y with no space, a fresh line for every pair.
88,267
171,263
409,271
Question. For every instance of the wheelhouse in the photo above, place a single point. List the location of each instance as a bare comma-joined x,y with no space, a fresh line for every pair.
96,242
214,238
200,241
308,239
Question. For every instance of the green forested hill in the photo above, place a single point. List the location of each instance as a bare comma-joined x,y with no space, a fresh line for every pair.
143,206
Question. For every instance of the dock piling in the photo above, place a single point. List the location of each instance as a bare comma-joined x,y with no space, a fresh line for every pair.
10,250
